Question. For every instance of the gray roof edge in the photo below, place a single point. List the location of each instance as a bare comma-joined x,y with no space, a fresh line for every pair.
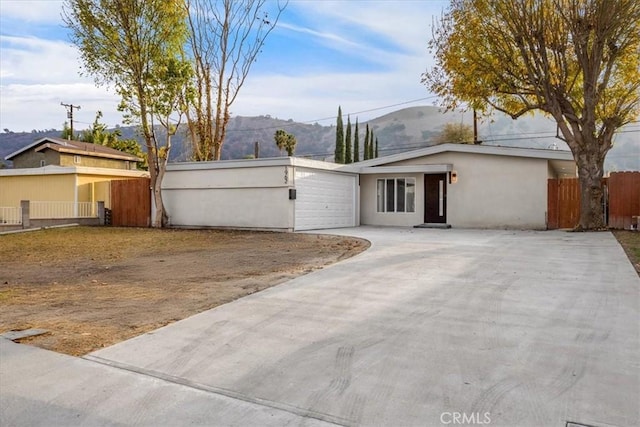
252,163
230,164
28,147
468,148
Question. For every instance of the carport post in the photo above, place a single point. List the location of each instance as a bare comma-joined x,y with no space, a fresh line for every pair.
24,207
101,213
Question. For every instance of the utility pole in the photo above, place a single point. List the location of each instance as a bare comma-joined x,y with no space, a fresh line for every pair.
475,128
70,108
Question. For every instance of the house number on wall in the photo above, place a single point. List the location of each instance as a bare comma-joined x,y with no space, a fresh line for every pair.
286,175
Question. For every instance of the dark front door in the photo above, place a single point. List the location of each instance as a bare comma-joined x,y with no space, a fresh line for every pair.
435,198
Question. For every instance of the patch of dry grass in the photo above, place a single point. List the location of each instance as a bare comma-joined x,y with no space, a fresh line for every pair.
630,242
95,286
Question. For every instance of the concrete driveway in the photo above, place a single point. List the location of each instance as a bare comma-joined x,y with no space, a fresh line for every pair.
428,327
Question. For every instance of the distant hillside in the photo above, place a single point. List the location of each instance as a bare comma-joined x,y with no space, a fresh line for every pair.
401,130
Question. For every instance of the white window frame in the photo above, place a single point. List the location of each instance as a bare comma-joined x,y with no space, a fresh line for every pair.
76,159
407,203
43,163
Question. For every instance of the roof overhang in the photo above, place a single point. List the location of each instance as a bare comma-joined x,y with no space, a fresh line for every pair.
298,162
564,168
494,150
438,168
68,170
25,148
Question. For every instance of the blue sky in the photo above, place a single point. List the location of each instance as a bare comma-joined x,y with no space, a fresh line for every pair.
359,54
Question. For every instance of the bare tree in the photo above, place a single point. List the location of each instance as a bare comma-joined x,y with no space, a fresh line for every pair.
225,38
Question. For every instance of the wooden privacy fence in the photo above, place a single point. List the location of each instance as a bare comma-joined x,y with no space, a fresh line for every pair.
563,203
622,200
131,203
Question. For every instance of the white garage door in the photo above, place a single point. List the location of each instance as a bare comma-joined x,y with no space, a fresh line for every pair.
324,200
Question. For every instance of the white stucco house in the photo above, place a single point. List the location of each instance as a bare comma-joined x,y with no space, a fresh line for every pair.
285,193
457,185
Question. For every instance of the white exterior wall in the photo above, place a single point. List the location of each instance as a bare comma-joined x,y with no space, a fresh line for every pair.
239,197
368,202
255,194
492,192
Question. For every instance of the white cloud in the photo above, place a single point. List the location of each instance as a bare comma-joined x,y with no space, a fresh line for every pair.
37,74
406,23
343,25
37,106
42,11
318,34
312,97
36,60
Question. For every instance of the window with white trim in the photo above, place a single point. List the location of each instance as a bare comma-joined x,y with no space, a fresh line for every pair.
43,163
76,159
396,195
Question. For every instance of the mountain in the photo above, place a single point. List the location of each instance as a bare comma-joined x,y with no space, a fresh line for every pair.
402,130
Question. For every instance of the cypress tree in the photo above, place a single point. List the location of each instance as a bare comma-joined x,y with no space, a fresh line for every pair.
366,143
376,153
371,145
347,144
339,153
356,144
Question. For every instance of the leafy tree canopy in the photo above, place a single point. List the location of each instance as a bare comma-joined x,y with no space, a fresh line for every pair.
456,133
285,141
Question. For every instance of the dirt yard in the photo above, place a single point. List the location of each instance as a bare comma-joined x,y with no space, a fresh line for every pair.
93,287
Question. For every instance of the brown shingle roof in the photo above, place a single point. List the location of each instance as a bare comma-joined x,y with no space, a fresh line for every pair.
76,147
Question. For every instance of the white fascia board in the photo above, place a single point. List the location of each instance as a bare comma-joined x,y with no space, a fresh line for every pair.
62,170
229,164
317,164
254,163
113,172
407,169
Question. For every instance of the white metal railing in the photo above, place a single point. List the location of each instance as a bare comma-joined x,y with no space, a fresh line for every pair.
10,215
52,210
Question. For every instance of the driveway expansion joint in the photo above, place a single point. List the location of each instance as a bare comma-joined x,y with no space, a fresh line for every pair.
295,410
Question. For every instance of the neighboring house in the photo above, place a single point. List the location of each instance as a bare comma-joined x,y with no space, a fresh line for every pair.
60,184
451,184
61,152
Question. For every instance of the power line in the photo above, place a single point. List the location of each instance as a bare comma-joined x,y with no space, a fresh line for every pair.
425,144
334,117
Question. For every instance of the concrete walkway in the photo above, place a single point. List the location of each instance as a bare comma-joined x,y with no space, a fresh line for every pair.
502,328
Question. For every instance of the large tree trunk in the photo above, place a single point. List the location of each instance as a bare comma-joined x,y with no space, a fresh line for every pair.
157,199
590,164
161,217
153,160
